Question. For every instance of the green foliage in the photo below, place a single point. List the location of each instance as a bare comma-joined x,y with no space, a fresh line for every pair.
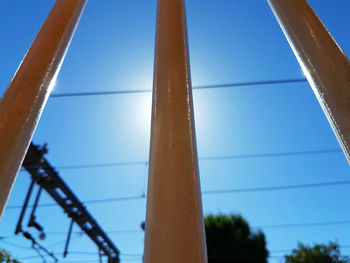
317,254
229,240
5,257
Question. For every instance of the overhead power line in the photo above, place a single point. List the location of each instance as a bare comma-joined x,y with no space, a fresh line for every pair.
100,165
106,200
222,191
138,256
209,158
282,256
306,224
135,231
87,260
15,245
215,86
268,155
292,225
29,257
128,257
94,253
276,188
289,250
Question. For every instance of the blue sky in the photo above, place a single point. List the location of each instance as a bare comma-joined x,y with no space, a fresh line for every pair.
229,41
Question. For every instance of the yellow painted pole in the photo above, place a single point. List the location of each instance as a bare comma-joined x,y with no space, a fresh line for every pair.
23,102
322,60
174,218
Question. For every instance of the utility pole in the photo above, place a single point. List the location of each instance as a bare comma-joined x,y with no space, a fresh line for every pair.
25,98
174,218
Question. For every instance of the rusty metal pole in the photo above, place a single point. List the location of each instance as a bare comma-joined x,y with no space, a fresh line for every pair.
174,218
23,102
322,60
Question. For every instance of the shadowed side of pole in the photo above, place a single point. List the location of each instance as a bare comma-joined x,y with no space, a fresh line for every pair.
23,102
322,60
174,220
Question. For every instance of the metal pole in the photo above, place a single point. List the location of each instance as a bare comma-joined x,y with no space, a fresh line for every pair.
24,208
174,217
100,255
322,60
24,100
68,238
32,219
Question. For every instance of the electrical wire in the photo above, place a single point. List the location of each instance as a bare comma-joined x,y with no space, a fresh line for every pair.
140,255
128,256
100,165
284,256
62,241
113,232
39,253
15,245
214,86
29,257
209,158
208,192
291,225
289,250
269,155
6,237
310,224
276,188
94,253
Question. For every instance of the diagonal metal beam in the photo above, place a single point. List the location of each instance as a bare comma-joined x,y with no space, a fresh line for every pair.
323,62
45,175
25,98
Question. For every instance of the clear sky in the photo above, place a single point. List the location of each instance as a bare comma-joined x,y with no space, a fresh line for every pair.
230,41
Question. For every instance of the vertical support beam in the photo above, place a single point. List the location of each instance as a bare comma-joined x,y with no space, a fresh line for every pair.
24,100
322,60
32,219
174,217
68,239
24,208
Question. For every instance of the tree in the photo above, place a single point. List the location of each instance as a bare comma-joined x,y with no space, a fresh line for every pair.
5,257
317,254
229,240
